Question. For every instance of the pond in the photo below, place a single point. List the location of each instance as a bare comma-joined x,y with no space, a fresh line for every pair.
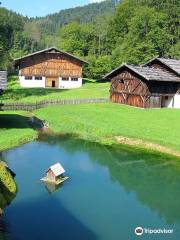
111,191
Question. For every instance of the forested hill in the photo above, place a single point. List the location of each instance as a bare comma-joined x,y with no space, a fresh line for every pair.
14,41
82,15
20,35
106,36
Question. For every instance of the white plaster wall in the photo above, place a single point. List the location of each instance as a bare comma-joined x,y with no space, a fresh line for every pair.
32,83
169,102
70,84
177,101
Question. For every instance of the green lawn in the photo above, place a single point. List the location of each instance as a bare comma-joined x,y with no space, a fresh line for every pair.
100,121
14,129
96,122
90,89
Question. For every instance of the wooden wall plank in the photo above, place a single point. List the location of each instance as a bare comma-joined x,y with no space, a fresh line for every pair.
51,65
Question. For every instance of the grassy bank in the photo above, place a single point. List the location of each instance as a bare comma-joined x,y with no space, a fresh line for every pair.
7,180
99,122
90,89
152,128
14,129
8,187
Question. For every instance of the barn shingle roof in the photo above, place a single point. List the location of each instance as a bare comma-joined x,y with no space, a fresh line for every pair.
155,74
148,73
173,64
56,50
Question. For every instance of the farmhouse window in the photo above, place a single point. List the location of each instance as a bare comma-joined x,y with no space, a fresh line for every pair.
74,79
28,77
38,78
65,79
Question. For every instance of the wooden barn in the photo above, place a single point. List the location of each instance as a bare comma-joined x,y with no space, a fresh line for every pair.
3,81
50,68
153,85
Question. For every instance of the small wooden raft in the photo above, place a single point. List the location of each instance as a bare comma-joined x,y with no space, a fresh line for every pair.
54,175
56,182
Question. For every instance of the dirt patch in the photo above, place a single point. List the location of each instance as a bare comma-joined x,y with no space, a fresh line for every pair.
146,145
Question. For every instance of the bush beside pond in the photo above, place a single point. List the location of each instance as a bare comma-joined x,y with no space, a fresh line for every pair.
8,186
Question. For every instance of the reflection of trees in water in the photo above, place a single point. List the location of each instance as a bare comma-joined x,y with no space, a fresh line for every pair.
5,199
154,178
3,230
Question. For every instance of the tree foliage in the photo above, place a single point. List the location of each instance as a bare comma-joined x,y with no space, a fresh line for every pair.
146,30
133,32
75,38
14,41
83,15
138,31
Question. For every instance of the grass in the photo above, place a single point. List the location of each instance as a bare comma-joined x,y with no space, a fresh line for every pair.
95,122
90,89
98,122
14,129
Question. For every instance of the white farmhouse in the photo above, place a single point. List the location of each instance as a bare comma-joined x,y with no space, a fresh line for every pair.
50,68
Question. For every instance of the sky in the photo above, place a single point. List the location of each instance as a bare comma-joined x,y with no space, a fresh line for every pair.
33,8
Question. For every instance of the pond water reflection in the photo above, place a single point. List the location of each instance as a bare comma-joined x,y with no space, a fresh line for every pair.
110,192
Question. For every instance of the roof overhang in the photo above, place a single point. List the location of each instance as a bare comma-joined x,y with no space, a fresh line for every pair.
142,75
122,67
18,60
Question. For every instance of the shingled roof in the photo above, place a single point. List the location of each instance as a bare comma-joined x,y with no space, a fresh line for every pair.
148,73
173,64
57,169
52,50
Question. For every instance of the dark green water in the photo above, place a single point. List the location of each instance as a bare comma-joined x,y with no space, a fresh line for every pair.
111,191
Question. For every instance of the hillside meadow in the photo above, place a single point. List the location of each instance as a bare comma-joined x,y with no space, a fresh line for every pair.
90,89
94,122
102,122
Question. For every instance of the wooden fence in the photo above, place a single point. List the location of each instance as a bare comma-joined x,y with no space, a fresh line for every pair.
41,104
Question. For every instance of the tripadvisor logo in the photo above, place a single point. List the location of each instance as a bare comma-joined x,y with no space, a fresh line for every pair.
139,231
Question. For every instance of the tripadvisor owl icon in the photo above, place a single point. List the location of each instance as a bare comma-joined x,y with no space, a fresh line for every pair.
139,231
